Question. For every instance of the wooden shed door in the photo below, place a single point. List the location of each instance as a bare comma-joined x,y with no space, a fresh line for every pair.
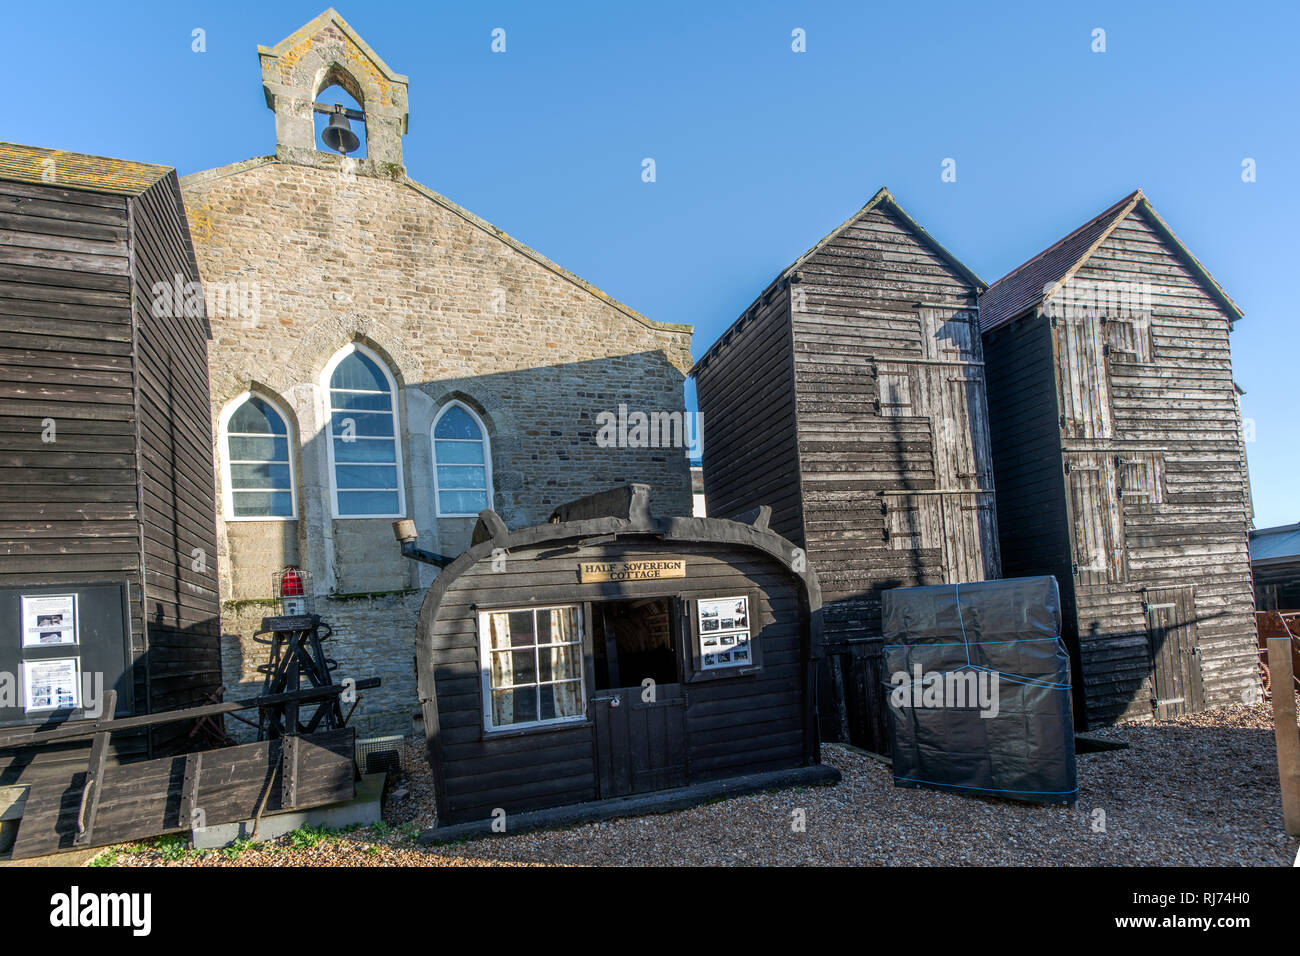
640,738
1096,518
969,538
640,745
1082,377
1175,652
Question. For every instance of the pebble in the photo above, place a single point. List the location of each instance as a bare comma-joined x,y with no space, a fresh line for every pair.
1197,790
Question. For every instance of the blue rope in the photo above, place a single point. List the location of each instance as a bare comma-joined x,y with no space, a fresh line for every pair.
1023,678
1001,675
1014,678
962,622
935,783
1019,640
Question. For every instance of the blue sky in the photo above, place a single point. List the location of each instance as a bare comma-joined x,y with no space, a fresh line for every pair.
760,151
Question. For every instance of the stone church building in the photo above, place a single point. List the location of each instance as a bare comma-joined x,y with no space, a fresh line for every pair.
377,353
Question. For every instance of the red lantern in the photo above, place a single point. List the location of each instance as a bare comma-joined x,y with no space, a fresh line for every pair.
291,583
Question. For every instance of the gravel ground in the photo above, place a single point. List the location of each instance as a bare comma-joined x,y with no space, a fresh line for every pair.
1198,790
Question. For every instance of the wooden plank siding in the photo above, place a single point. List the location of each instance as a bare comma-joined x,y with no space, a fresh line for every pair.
733,726
178,516
876,305
1179,410
891,451
89,381
754,736
68,506
1033,522
1138,486
747,403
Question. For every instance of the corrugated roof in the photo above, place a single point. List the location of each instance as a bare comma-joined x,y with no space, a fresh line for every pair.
1275,544
1029,284
61,170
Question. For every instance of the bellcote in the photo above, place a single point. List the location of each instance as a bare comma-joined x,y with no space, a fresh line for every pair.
324,53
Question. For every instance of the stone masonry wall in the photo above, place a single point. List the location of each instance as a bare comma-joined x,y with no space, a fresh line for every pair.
457,311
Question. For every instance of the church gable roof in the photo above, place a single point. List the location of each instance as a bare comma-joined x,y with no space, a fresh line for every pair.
199,180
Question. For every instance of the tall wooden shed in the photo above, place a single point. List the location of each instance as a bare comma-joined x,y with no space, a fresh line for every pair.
107,527
609,653
850,397
1120,463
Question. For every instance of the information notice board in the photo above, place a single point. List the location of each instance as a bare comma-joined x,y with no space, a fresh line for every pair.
61,648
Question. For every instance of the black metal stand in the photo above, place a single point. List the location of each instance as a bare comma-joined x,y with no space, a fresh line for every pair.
296,653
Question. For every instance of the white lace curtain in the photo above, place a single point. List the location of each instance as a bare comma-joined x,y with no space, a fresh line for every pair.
552,688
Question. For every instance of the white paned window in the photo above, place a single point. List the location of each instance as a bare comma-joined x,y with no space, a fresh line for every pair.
462,463
365,451
257,466
531,664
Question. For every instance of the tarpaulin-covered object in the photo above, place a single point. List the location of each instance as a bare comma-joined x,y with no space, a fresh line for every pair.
979,689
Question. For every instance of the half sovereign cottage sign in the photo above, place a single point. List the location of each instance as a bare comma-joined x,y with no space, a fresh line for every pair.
589,571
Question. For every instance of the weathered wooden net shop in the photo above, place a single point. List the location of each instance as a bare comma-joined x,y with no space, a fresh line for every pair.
107,537
1120,464
609,653
850,397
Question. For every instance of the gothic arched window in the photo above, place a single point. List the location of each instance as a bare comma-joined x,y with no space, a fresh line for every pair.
365,449
257,460
462,463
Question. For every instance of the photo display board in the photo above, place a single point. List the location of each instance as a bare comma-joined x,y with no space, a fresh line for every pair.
64,646
49,619
723,627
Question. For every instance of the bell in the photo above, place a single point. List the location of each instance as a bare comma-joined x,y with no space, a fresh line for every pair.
339,136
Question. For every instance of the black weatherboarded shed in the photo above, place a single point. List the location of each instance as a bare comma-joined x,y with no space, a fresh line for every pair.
609,653
106,485
850,397
1120,464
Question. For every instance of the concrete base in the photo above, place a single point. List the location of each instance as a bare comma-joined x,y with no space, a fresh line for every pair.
12,801
658,801
64,859
365,808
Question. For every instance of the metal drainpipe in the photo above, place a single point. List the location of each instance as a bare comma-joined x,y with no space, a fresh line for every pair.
404,532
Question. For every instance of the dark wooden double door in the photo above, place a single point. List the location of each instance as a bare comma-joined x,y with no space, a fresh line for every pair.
639,706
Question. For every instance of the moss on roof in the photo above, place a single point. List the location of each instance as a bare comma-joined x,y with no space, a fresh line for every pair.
59,169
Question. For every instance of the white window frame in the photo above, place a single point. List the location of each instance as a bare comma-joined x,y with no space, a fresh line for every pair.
223,448
326,375
433,453
485,669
